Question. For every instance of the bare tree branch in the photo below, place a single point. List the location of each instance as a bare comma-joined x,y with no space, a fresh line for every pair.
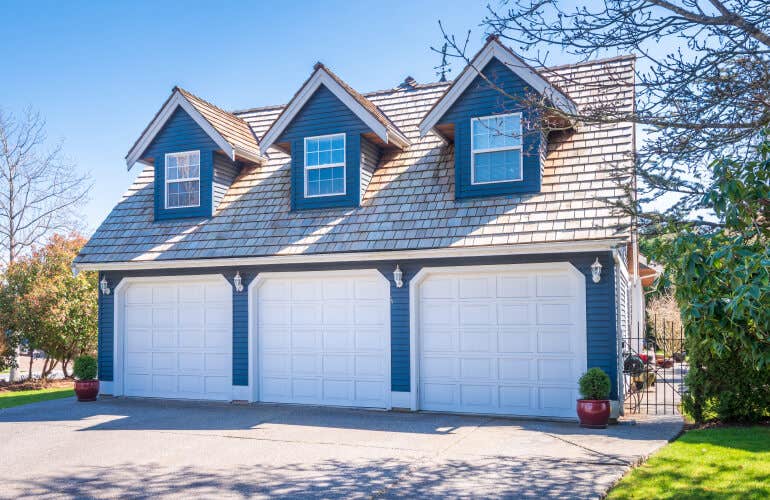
39,190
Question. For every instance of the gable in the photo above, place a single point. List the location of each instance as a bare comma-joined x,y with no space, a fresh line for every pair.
179,133
324,113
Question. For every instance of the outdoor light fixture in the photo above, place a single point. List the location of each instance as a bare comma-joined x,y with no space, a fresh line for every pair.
238,282
596,271
104,286
397,277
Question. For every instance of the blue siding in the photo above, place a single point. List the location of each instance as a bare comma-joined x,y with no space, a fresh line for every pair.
181,133
482,99
324,114
600,308
225,172
105,338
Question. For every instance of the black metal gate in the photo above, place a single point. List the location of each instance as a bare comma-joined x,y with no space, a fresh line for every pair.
654,369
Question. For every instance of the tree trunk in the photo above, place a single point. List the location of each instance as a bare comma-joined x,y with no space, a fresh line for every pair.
64,371
31,359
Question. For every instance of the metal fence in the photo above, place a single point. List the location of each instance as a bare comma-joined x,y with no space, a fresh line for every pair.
654,369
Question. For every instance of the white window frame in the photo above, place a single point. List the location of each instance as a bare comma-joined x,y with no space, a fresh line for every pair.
186,179
327,165
520,148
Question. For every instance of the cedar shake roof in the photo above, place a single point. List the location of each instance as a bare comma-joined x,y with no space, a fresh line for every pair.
233,128
410,200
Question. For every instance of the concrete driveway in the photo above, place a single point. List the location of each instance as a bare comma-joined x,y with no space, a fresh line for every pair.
140,448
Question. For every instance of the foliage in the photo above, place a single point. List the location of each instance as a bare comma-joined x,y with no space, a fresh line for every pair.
9,399
702,81
43,303
663,319
84,368
716,463
595,384
722,282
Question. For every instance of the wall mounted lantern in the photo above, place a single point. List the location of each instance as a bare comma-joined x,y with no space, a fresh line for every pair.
104,286
596,271
397,277
238,282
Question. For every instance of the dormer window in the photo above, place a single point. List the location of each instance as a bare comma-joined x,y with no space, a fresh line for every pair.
183,181
496,149
325,165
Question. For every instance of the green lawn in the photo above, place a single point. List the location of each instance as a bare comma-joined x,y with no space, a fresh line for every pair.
723,463
18,398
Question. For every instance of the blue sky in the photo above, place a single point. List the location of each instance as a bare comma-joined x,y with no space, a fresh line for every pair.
98,71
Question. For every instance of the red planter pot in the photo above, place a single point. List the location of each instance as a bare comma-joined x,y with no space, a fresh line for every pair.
593,413
86,390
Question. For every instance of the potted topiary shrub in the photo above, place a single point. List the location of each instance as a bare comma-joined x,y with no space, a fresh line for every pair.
594,409
86,385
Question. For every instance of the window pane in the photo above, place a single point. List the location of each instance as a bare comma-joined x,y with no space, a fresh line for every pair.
337,142
324,157
325,151
497,132
338,156
312,145
497,166
183,194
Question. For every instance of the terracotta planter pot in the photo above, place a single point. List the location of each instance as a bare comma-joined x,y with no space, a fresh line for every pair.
86,390
593,413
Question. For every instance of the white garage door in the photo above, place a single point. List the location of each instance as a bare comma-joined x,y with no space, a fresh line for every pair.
505,340
178,338
324,338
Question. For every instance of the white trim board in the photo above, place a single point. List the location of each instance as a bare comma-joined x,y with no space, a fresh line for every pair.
434,253
322,77
494,49
178,100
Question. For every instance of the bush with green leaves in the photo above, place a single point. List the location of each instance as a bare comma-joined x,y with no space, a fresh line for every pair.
722,285
85,368
595,384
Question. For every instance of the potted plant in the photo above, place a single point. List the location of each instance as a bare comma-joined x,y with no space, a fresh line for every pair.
86,385
594,409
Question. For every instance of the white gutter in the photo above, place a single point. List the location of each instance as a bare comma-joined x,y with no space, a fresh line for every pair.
436,253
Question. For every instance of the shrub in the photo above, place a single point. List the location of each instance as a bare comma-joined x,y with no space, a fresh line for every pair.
85,368
595,384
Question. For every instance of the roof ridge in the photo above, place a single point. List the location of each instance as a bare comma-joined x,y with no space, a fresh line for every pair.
185,91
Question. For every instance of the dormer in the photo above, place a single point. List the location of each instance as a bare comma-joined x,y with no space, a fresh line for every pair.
197,150
335,137
488,114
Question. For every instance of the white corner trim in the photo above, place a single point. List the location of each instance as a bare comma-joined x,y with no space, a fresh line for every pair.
400,399
321,77
494,49
425,272
106,388
433,253
177,100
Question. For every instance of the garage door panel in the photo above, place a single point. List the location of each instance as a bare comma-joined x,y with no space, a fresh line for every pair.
477,368
438,340
555,341
476,288
339,337
274,313
554,286
369,339
512,287
554,314
164,361
370,366
513,313
517,370
192,338
179,354
338,365
141,317
306,364
515,398
516,344
477,340
514,341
